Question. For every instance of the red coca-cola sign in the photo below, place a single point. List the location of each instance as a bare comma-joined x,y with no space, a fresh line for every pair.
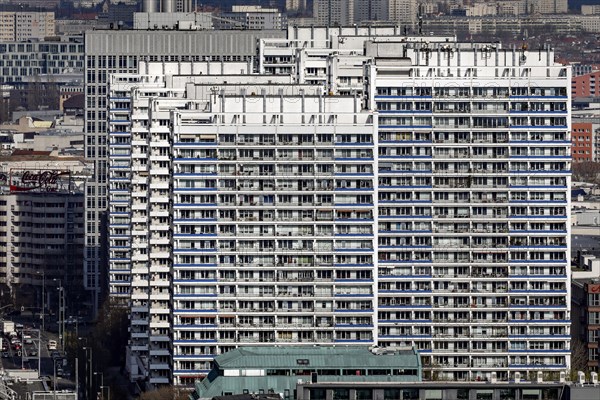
39,180
594,288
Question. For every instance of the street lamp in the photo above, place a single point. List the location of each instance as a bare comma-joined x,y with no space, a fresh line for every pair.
89,383
107,391
61,313
43,314
101,383
55,382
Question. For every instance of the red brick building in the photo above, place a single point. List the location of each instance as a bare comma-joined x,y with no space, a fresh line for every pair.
587,85
581,141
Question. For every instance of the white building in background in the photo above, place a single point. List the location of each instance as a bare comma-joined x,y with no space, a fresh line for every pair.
362,188
251,17
592,9
547,6
176,20
295,5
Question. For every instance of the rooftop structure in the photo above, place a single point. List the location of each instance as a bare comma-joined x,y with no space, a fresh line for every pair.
278,369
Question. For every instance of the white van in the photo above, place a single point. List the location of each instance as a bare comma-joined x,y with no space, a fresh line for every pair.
51,344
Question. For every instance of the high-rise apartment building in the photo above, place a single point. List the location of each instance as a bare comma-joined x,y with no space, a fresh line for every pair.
295,5
359,187
333,12
370,10
402,11
114,51
24,25
547,6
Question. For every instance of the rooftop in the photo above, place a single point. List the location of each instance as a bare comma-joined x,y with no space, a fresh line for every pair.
316,357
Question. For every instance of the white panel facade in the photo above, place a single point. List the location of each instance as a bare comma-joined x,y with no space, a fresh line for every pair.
402,193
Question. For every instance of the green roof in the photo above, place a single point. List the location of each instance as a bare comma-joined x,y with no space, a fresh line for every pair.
246,369
316,357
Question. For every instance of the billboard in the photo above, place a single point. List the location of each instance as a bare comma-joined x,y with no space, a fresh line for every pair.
39,180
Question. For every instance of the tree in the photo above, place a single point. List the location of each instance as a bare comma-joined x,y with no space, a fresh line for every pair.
110,335
587,171
165,393
579,358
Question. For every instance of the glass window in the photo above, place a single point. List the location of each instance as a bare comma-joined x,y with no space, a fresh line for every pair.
341,394
462,394
484,395
390,394
410,394
318,394
433,394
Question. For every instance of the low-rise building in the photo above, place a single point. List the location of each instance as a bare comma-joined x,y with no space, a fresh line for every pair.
277,370
359,389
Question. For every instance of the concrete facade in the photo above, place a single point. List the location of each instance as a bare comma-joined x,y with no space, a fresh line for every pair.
398,193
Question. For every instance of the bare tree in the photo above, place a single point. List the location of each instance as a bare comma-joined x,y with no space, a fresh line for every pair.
579,358
587,171
165,393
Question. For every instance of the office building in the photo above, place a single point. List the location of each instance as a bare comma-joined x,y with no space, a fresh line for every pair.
35,60
360,187
41,221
